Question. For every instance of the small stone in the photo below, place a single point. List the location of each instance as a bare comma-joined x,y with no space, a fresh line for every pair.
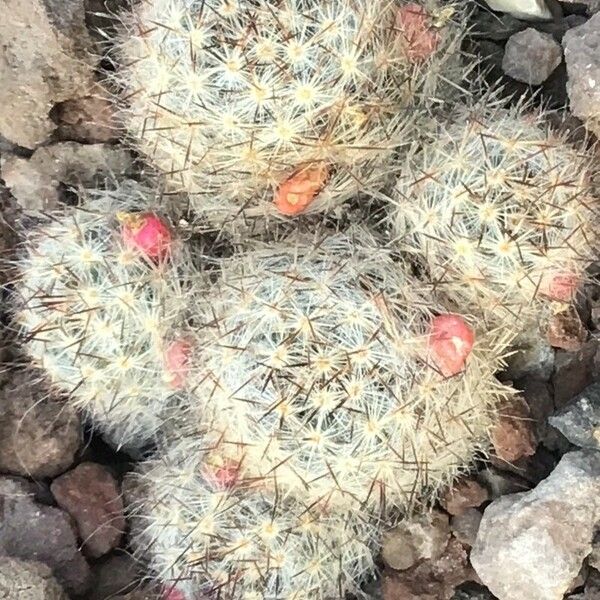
466,525
32,531
531,56
87,120
39,433
513,435
594,557
592,6
90,494
28,580
473,591
36,182
566,331
464,494
115,576
423,537
42,62
573,372
496,27
500,483
579,421
540,538
583,67
533,357
522,9
431,579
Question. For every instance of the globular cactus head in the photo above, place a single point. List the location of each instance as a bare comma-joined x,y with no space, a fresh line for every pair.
281,107
207,537
501,210
329,373
102,293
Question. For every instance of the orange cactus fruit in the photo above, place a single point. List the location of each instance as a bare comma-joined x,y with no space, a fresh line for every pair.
420,38
177,356
450,342
561,286
146,232
299,190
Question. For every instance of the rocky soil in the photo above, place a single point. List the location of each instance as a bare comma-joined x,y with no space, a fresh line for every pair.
522,526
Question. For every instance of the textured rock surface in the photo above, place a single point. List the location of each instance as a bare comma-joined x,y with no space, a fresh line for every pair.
592,6
423,537
26,580
464,494
43,61
573,372
513,437
36,182
566,331
522,9
582,55
90,494
32,531
579,422
466,525
532,545
39,434
114,577
531,56
534,356
430,579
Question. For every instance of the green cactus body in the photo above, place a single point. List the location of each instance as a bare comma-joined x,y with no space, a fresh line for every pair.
278,107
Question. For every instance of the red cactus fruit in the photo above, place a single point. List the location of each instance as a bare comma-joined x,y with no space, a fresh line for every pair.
560,286
146,232
420,39
299,190
172,593
177,357
450,343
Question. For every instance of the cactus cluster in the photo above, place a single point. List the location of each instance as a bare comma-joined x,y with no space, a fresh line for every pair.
280,107
303,391
501,211
102,303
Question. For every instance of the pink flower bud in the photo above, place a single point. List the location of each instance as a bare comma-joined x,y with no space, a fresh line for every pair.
420,39
146,232
450,343
299,190
177,358
172,593
225,477
560,286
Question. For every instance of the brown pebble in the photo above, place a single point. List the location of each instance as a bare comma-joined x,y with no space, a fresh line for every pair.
465,493
566,331
513,436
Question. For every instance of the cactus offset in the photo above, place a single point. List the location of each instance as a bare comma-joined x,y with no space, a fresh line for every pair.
238,101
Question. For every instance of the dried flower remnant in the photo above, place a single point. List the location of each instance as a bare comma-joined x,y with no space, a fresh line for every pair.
297,192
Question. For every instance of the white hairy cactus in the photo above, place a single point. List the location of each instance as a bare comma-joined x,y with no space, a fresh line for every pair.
327,372
502,212
205,534
277,107
102,303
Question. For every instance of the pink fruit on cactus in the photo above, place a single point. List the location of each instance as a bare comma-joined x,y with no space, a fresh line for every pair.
177,357
560,286
224,477
450,343
172,593
299,190
146,232
420,39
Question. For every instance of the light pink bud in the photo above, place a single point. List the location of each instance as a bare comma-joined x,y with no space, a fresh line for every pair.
177,358
298,191
225,477
560,286
146,232
420,39
450,343
172,593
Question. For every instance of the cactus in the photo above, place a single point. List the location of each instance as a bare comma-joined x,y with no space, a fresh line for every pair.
326,372
501,211
102,294
203,538
280,107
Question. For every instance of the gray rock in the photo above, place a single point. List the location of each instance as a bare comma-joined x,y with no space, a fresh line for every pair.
422,537
592,6
27,580
533,356
90,494
32,531
39,433
40,65
582,55
579,422
522,9
36,182
500,483
115,576
531,56
594,557
573,372
532,545
466,525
